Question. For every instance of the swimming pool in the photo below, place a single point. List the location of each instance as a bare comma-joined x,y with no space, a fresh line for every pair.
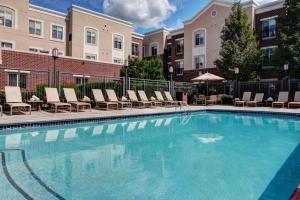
205,155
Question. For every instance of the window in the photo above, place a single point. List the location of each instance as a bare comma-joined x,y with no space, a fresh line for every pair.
17,79
179,67
199,39
57,32
169,50
179,46
81,80
6,45
35,28
91,37
6,17
269,59
91,56
135,49
199,62
213,13
269,28
38,50
117,60
118,42
154,50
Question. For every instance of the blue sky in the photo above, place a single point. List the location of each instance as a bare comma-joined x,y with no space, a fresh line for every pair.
145,14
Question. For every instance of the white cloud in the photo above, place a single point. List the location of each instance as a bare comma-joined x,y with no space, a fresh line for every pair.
143,13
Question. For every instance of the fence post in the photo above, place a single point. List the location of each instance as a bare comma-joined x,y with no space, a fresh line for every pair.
144,85
58,83
83,86
123,86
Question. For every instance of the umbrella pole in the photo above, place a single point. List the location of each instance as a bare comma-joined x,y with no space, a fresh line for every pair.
206,88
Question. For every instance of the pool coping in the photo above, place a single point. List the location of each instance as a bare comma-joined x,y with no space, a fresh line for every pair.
58,122
43,123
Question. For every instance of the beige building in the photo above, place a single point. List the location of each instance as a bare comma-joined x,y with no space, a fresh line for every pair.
81,33
194,47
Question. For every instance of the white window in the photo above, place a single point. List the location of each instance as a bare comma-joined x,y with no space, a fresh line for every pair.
135,48
117,60
38,50
7,45
199,62
91,36
118,42
269,58
57,32
213,13
91,56
6,17
179,46
269,28
35,28
17,79
199,39
154,50
179,67
81,80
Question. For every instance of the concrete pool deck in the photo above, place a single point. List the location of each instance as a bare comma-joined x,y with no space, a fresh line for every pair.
44,116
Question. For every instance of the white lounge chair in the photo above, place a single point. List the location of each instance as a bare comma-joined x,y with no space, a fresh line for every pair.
144,98
170,98
133,98
100,100
245,99
258,99
296,102
13,99
283,99
71,98
53,99
160,98
112,97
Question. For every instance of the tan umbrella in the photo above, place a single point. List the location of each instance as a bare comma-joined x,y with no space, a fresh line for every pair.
207,77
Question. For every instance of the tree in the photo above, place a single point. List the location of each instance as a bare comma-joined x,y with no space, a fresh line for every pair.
144,68
239,48
289,39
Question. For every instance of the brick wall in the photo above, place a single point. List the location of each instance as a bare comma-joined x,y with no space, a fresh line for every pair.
38,62
39,66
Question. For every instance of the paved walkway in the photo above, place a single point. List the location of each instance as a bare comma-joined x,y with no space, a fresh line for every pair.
44,116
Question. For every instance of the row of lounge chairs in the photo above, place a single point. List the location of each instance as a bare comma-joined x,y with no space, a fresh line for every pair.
14,100
283,99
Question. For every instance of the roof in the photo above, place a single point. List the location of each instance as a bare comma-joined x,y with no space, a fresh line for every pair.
162,29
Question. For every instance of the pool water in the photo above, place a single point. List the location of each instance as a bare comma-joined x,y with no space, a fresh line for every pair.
205,155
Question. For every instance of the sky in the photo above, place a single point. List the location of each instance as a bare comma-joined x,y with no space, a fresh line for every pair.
146,15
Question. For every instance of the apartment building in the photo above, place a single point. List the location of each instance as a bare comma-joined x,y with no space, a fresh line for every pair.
194,48
89,43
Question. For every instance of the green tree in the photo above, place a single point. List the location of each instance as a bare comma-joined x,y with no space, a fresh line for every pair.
144,68
239,47
289,39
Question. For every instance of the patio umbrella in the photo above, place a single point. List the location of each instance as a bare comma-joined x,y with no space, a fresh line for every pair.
207,77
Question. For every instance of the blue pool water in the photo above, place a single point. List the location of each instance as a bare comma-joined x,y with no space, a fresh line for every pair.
205,155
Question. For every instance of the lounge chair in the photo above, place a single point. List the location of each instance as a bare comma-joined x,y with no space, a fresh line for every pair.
213,99
13,99
258,99
133,98
170,98
160,98
71,98
53,99
200,98
112,97
144,98
245,99
296,102
100,101
283,98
